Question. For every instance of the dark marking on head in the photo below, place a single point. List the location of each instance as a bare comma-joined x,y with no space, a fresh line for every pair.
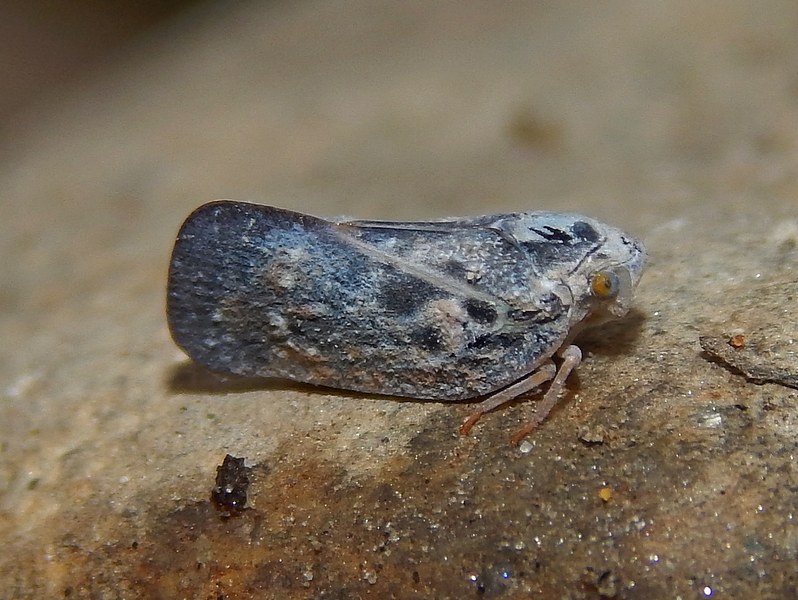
585,231
632,243
554,234
482,312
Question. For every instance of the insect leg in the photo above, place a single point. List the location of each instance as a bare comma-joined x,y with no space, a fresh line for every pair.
546,372
571,356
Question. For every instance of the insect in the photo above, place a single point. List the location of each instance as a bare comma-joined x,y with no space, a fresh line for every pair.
449,310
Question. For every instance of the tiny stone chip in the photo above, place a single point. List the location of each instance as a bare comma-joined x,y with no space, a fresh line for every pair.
450,310
737,341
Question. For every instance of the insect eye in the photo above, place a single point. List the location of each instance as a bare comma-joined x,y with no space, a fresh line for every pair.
604,284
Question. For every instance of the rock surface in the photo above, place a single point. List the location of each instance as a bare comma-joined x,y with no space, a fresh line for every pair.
662,474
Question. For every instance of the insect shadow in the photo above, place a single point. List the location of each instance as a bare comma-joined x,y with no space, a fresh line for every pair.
189,377
614,338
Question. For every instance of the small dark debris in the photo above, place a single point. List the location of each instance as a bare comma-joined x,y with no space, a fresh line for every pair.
605,583
230,493
745,360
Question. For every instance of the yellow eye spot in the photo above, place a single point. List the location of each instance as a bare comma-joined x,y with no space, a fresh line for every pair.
604,284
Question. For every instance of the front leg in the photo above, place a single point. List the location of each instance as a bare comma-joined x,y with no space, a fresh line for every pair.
571,357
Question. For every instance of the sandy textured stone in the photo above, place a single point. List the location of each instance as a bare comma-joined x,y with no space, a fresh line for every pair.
663,473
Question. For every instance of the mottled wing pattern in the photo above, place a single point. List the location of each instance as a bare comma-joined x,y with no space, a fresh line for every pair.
441,310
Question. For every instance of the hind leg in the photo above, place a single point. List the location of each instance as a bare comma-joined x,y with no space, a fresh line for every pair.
571,356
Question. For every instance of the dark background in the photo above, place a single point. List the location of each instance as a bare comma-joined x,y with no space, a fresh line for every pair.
46,45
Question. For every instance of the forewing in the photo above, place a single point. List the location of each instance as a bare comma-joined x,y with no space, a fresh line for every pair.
420,312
